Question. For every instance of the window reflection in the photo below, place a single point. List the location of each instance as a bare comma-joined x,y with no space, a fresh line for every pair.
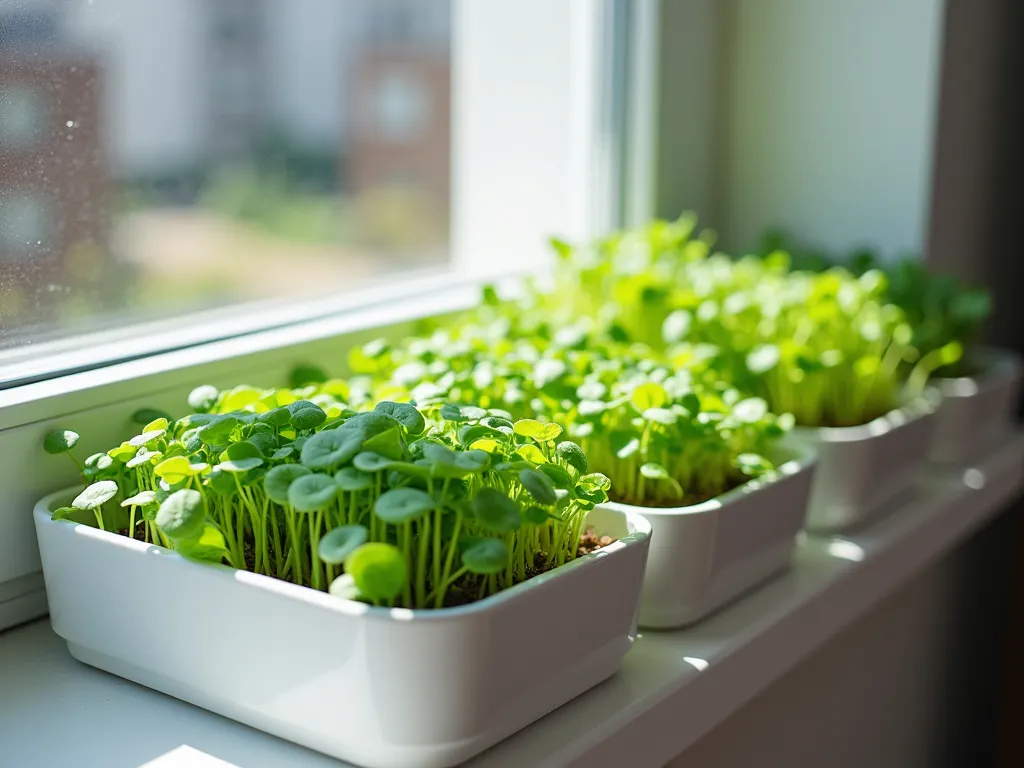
162,156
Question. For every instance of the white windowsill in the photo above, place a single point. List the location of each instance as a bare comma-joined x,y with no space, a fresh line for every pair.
673,687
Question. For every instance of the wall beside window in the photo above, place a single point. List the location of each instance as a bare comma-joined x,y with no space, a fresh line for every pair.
817,116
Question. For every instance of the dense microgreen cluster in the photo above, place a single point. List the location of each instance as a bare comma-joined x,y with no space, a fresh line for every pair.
947,317
666,434
380,505
831,347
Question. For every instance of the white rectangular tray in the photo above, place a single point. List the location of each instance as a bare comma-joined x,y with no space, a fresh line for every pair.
977,412
705,555
385,688
868,470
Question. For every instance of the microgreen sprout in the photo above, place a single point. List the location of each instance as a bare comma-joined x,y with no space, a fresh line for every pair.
385,505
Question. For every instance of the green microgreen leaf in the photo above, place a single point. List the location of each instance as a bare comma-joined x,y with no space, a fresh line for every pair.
312,492
538,485
331,449
485,556
403,505
495,511
182,515
279,479
95,495
306,415
341,542
407,415
537,430
60,441
378,570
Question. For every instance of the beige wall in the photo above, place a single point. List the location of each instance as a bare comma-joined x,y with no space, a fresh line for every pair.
813,115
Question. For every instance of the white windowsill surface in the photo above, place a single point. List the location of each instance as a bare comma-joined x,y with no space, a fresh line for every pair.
673,686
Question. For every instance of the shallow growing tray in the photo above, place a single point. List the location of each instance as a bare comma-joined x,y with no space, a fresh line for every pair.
385,688
977,411
704,555
868,470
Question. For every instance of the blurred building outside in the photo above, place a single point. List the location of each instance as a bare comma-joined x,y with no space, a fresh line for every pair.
176,156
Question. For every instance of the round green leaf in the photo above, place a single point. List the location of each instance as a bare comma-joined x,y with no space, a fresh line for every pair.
388,443
218,431
352,479
329,450
99,462
539,485
182,515
499,423
222,483
487,445
452,412
473,460
531,453
470,433
310,493
649,395
370,422
443,462
485,556
96,495
241,457
572,455
140,499
368,461
203,398
495,511
407,415
339,543
283,452
123,452
558,476
378,570
306,415
267,442
162,422
278,417
144,456
147,437
402,505
279,479
208,547
537,430
537,515
194,442
596,481
60,441
654,471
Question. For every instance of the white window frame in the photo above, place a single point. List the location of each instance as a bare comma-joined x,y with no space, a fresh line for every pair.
529,161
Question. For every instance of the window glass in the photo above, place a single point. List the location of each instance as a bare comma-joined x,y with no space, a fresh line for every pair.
159,157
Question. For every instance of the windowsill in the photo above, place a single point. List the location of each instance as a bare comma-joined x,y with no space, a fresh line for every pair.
673,687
